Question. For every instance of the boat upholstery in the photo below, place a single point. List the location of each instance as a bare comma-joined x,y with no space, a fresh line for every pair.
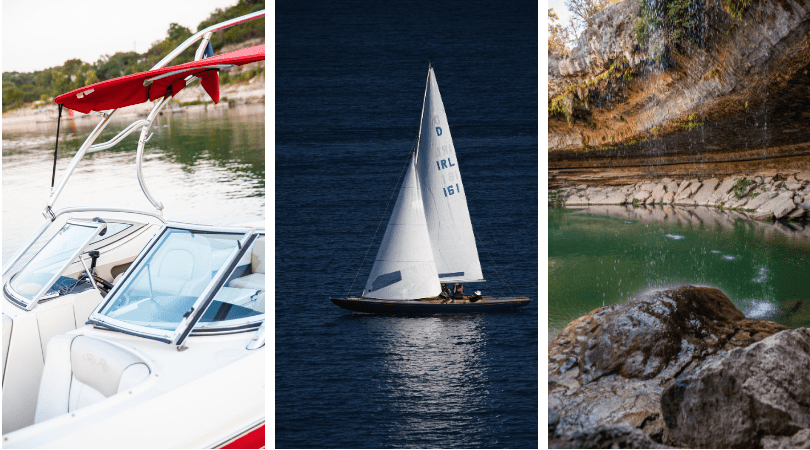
254,280
7,324
182,266
80,371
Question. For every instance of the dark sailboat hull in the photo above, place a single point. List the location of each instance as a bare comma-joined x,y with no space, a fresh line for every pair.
378,306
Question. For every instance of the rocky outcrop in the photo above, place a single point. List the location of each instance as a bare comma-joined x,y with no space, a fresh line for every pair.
731,400
611,366
785,196
682,366
722,89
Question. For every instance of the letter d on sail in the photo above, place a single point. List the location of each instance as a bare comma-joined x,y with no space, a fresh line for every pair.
438,131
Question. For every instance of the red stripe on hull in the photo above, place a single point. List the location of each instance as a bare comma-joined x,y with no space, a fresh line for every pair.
253,439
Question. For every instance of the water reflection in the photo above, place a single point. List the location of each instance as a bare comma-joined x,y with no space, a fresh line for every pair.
433,376
697,216
205,166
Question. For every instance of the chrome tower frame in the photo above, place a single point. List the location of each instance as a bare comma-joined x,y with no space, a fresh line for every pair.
144,124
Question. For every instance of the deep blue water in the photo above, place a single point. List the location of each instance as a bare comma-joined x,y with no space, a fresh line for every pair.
349,83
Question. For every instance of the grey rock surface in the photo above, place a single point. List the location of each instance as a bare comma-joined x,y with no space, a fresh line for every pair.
722,190
706,191
613,436
611,365
760,200
799,440
734,398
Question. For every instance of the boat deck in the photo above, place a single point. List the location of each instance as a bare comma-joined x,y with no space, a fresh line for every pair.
430,305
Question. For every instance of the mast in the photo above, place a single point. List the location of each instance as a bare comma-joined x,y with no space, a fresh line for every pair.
422,116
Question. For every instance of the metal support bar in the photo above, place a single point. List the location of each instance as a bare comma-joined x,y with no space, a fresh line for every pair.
73,163
203,44
118,137
56,149
141,143
89,275
196,36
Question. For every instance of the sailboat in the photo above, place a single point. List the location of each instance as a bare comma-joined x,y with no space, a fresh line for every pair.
429,242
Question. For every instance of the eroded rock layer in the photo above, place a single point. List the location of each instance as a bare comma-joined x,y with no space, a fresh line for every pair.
739,93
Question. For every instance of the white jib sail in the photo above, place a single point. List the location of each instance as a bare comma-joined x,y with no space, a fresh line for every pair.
443,195
404,268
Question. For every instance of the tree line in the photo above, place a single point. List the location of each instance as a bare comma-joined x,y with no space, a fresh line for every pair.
23,88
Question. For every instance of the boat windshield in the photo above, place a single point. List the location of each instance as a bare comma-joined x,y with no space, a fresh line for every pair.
242,294
170,278
45,268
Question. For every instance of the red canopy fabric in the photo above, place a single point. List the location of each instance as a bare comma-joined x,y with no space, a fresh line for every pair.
130,90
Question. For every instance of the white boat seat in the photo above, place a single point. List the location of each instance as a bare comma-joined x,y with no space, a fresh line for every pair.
80,371
182,267
254,280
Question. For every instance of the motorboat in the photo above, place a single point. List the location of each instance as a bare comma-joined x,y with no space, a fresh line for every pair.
429,242
124,329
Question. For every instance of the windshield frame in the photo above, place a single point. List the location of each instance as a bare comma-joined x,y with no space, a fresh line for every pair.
20,300
234,325
166,336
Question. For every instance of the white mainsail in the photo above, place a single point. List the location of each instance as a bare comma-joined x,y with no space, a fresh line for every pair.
404,268
443,195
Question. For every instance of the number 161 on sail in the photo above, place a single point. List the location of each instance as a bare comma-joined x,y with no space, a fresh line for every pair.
449,190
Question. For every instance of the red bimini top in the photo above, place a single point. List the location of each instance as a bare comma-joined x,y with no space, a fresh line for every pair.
154,84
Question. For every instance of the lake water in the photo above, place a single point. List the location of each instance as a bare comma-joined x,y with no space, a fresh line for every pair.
205,166
350,78
605,255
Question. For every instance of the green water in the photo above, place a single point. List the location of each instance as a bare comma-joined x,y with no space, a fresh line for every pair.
605,255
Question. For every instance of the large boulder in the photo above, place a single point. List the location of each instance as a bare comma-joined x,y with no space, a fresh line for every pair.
611,366
732,399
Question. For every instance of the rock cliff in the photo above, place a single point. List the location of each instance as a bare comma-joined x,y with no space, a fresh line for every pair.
738,90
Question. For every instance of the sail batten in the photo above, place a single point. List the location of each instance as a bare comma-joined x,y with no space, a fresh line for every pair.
443,194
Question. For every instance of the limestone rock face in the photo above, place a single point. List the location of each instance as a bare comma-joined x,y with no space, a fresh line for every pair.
687,191
611,365
641,195
705,192
735,66
657,194
722,190
733,399
576,200
610,198
760,200
779,206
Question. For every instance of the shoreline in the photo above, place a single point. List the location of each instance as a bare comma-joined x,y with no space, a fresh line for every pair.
194,97
782,196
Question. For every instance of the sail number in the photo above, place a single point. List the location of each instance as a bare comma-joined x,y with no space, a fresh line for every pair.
444,164
450,191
